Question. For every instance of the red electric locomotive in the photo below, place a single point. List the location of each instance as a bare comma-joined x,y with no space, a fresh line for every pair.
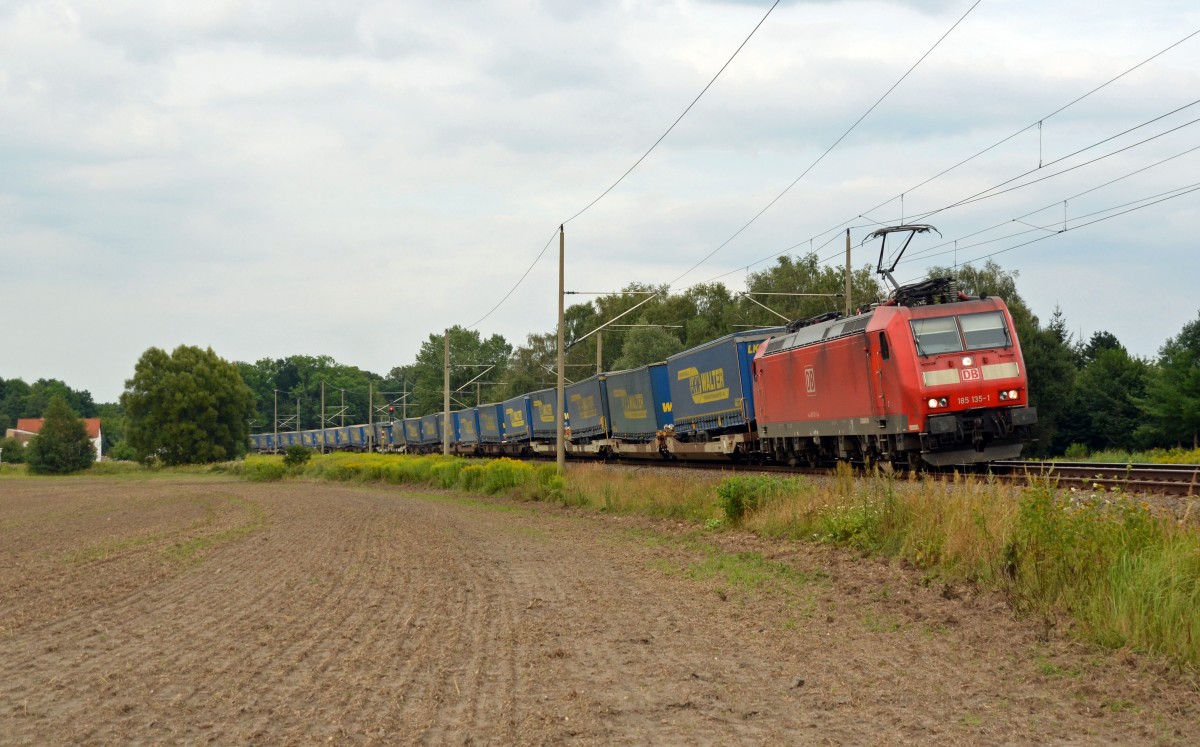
931,377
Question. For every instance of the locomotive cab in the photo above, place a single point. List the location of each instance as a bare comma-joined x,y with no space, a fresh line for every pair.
964,385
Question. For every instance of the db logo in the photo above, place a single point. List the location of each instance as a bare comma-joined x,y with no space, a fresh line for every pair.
971,374
810,379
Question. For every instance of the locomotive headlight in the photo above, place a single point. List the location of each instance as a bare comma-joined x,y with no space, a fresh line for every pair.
1013,394
1003,396
968,361
943,402
933,402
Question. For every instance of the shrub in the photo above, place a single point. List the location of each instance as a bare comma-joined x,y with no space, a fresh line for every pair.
296,456
1076,451
13,451
121,451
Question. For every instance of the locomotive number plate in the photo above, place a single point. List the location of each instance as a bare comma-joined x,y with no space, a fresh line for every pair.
971,374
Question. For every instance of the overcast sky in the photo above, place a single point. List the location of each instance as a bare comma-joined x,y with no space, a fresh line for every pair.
271,177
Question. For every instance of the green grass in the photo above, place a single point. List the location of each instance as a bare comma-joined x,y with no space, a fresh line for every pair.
1079,453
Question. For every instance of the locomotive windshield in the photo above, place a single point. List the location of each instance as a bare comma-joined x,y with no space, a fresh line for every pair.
936,335
953,334
985,330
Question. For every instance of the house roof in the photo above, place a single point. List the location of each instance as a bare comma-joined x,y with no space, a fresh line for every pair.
34,425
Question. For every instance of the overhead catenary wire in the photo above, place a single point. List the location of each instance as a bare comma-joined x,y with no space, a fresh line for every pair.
835,230
1185,191
828,150
1038,123
628,171
1056,203
991,191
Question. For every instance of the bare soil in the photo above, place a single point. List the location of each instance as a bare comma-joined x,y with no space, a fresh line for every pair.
206,610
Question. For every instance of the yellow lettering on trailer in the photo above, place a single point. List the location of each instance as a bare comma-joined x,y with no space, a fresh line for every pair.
706,387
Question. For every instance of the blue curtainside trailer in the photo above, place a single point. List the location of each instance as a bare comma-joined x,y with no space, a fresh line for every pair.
639,402
491,423
543,406
711,385
431,429
587,408
466,425
517,419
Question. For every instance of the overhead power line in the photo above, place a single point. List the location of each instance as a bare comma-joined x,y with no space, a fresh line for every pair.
629,171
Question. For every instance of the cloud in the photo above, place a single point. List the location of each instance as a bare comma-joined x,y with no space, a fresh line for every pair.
343,178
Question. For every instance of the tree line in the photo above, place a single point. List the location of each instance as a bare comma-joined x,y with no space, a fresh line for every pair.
191,405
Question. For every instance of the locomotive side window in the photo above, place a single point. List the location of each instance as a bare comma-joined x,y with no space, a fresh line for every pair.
985,330
936,335
884,351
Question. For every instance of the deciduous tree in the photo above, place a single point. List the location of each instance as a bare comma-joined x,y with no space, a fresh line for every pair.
187,407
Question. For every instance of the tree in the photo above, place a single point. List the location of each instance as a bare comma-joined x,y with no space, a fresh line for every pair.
62,446
1100,342
805,275
12,451
113,418
12,401
41,391
470,356
1172,402
646,345
299,377
1105,413
187,407
1050,368
530,366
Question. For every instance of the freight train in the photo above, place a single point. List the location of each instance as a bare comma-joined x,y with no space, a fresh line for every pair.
930,377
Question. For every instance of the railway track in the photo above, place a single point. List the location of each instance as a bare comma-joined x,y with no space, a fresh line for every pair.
1158,479
1176,480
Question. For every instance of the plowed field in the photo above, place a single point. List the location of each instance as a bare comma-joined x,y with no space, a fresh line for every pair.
206,610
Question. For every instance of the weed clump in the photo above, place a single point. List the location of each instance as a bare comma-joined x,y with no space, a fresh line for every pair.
263,469
742,495
296,456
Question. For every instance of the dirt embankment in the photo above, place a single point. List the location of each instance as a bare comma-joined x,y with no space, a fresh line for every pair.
213,611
